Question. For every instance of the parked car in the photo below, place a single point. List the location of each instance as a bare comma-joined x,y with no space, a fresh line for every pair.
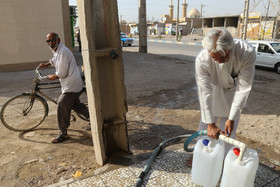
125,40
268,54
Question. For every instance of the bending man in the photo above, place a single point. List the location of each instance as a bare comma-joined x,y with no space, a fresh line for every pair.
224,74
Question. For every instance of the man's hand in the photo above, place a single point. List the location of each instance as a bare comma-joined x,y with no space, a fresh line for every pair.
229,126
53,77
213,131
44,65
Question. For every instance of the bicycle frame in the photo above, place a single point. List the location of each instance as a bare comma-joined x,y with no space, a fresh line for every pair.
28,110
52,85
36,91
38,86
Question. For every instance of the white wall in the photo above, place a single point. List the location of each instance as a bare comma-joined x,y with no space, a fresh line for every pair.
24,25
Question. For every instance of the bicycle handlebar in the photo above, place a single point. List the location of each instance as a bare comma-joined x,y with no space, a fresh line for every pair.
39,74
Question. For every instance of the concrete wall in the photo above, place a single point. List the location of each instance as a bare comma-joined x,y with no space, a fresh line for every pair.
231,21
221,21
232,30
24,26
208,22
196,22
218,22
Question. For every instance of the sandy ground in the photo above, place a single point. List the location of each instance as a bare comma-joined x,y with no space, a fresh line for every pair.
162,103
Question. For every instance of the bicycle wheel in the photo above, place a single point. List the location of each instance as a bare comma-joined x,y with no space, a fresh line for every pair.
83,99
20,114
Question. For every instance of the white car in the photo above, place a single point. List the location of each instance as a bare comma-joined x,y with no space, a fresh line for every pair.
268,54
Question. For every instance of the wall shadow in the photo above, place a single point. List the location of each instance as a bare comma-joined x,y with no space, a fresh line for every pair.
147,136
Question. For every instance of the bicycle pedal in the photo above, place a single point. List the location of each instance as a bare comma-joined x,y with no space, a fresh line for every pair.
73,118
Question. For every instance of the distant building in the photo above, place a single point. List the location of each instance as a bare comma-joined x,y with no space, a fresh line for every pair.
166,19
258,27
133,28
160,27
229,22
194,13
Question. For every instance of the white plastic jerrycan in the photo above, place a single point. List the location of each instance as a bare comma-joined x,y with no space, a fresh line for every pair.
207,163
240,172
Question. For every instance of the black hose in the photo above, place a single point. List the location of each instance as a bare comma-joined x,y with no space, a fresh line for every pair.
193,136
153,156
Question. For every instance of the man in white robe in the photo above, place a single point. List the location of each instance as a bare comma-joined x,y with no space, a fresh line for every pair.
225,71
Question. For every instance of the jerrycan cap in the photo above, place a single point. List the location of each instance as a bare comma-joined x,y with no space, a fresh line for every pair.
205,142
236,151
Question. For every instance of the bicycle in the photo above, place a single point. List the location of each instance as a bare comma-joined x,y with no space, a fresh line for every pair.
27,111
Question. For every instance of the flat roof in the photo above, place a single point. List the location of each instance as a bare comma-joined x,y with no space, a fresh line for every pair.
220,17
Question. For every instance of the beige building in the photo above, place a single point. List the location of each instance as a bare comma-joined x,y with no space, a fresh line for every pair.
194,13
24,26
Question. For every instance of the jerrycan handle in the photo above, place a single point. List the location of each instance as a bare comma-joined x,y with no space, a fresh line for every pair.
237,143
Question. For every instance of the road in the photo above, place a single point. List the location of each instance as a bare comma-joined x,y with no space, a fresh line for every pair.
175,50
183,51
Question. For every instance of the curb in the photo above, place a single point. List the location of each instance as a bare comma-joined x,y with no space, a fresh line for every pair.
167,41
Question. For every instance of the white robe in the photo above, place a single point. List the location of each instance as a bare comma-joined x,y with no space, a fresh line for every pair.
224,88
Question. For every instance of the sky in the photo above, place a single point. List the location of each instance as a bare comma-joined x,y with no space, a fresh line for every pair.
128,9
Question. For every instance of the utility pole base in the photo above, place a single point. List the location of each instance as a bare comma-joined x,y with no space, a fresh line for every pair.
100,38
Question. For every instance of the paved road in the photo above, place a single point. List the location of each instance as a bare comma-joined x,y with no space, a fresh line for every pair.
176,50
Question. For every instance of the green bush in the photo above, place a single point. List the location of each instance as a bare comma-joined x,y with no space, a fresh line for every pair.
180,37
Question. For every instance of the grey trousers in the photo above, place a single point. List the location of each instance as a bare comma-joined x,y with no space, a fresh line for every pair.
67,102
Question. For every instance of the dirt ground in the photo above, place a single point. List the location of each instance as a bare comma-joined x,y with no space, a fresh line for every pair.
162,103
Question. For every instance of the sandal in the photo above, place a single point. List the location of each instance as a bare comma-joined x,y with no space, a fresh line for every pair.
60,138
189,161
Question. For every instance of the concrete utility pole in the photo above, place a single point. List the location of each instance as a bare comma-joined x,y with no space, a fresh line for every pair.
276,22
201,10
266,16
177,22
101,51
245,20
142,27
121,22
